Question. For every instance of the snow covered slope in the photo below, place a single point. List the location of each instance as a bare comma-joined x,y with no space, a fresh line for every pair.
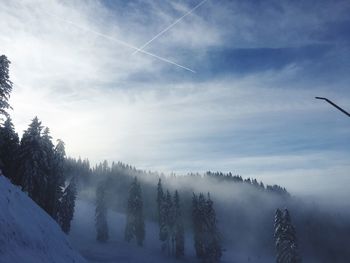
83,237
27,233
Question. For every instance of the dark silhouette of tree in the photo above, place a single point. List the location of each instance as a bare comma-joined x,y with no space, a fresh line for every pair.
9,145
135,225
67,204
207,238
178,228
101,213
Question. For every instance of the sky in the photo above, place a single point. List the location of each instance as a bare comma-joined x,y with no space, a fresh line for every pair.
229,87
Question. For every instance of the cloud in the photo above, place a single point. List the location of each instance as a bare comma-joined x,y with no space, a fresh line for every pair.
248,109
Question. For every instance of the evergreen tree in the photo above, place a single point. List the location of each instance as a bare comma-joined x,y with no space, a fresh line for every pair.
9,145
5,85
66,206
198,224
31,173
169,222
162,215
57,180
101,213
179,228
213,250
285,239
207,238
135,225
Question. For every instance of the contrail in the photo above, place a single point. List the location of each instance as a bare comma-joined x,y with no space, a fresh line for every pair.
169,27
121,42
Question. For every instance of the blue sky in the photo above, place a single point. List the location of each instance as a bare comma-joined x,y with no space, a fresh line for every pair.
248,109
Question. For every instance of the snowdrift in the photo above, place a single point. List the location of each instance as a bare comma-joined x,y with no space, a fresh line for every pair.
27,233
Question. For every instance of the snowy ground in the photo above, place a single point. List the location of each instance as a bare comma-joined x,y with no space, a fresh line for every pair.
27,233
83,238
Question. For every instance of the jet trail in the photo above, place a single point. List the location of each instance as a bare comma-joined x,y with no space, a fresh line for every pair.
113,39
169,27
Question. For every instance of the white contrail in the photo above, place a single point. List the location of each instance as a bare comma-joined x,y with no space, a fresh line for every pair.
140,49
121,42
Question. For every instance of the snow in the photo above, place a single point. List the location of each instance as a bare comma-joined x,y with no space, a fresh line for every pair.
27,233
83,237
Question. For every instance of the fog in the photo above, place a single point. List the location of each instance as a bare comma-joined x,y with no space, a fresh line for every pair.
245,212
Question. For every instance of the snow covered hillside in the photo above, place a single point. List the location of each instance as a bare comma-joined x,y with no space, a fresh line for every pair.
27,233
83,237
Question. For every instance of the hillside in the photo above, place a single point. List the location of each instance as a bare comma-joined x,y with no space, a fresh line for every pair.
27,233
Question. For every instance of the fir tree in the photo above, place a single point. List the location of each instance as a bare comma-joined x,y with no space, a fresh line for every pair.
135,225
285,239
31,173
9,145
5,85
101,213
179,228
67,204
162,215
169,222
207,238
213,250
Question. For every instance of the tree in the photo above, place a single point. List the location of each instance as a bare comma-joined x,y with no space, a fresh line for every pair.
135,225
179,228
5,85
213,250
169,223
9,145
101,213
66,206
162,215
285,238
207,238
31,173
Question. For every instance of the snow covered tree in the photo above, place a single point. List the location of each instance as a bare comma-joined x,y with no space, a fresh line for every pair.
179,228
135,225
101,213
56,182
32,159
66,206
9,145
5,85
285,239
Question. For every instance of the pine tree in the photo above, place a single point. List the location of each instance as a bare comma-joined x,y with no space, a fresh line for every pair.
9,145
179,228
213,250
57,181
169,222
198,224
66,206
101,213
162,215
31,173
207,238
135,225
5,85
285,239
